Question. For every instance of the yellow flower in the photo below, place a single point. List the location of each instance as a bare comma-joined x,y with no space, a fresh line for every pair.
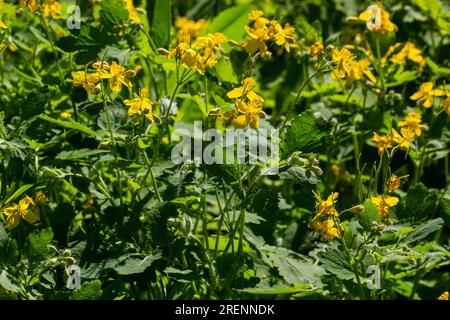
327,229
384,203
88,81
32,5
443,296
40,197
324,207
65,115
52,9
117,77
249,113
426,93
316,49
377,19
342,58
188,29
359,69
246,89
383,142
132,13
393,183
141,105
413,121
89,202
255,14
410,52
403,139
284,37
26,210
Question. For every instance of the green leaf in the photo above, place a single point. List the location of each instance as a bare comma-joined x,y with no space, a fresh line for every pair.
231,22
369,215
420,202
91,290
445,212
307,134
282,290
135,265
113,13
424,230
160,21
37,249
3,234
69,124
6,284
403,77
78,154
18,192
334,261
293,267
437,70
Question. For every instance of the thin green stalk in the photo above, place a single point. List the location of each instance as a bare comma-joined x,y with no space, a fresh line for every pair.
114,149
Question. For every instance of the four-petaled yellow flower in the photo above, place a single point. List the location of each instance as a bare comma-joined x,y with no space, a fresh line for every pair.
27,209
426,93
377,19
132,12
316,49
443,296
327,229
384,203
324,207
383,142
188,30
118,76
410,52
413,121
249,113
359,69
88,81
342,58
141,105
246,89
393,183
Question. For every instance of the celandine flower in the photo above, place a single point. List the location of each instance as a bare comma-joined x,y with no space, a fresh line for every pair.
118,76
410,52
342,58
413,121
426,93
249,113
27,209
316,49
377,19
384,203
443,296
324,207
323,221
90,82
393,183
360,69
141,105
188,29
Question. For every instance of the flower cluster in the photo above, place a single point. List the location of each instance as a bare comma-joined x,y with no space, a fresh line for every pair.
249,105
116,74
196,52
27,209
50,8
324,221
263,30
